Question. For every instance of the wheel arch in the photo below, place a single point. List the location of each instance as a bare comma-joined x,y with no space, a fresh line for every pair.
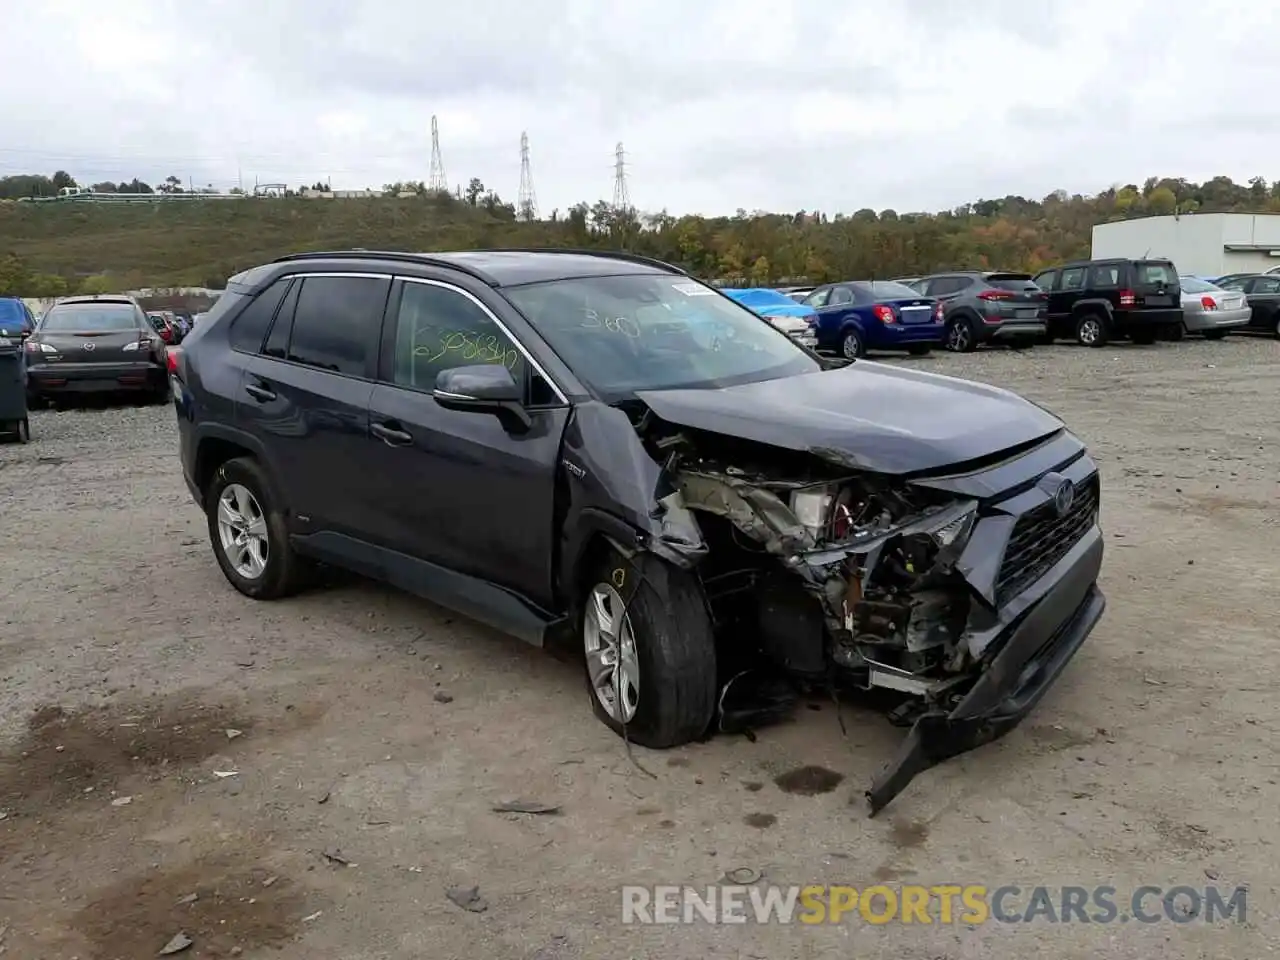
216,446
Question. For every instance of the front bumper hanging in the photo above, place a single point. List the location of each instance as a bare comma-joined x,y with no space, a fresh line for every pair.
1013,683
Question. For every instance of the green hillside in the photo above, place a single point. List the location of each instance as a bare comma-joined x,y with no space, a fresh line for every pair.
51,248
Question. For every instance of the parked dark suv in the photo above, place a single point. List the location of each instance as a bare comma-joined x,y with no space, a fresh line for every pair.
988,307
1096,301
599,448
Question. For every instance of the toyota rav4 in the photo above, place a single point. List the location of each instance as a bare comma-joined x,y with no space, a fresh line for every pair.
599,448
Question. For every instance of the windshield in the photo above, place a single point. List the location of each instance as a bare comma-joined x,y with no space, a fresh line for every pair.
1196,285
90,318
625,334
889,290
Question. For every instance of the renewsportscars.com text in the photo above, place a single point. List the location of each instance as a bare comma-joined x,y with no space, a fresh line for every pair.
942,904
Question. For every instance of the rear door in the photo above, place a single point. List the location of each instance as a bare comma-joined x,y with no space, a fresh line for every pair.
1020,298
306,397
1156,284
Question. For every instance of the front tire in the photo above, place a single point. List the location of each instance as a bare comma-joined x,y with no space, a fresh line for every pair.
651,667
248,533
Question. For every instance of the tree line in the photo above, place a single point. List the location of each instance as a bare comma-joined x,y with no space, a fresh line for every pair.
202,245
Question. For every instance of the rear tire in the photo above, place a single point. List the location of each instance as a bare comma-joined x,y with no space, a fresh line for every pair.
666,672
282,570
960,336
23,429
1091,330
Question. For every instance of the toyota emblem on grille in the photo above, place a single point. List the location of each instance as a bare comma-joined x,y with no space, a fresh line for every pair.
1064,497
90,345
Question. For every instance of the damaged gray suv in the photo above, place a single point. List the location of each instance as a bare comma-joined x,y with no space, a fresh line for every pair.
598,449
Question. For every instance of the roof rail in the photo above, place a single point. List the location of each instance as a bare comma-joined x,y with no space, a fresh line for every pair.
610,254
360,253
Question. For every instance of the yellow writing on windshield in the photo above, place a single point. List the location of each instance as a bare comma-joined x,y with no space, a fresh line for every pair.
471,347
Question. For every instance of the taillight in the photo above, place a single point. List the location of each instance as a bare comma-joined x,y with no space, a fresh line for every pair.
884,314
937,311
166,335
1128,298
1208,303
995,295
171,360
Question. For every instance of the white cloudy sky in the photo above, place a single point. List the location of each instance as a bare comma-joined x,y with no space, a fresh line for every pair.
815,104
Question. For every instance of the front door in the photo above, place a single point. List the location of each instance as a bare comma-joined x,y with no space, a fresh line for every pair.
472,491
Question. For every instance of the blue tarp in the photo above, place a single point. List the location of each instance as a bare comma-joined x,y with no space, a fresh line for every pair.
770,303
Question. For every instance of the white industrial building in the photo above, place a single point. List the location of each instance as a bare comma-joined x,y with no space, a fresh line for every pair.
1199,244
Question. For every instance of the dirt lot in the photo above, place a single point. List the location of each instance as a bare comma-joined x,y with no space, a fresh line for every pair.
370,733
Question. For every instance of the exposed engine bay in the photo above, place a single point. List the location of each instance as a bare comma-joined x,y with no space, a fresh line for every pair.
849,573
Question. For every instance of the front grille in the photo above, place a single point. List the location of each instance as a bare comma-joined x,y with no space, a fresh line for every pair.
1041,538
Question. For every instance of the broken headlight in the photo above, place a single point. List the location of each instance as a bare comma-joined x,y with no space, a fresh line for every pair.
812,507
954,526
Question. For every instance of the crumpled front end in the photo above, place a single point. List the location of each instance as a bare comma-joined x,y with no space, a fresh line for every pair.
964,594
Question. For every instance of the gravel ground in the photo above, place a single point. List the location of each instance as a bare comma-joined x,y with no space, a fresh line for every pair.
369,733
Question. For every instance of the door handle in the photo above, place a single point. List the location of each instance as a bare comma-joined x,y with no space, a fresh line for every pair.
392,436
260,393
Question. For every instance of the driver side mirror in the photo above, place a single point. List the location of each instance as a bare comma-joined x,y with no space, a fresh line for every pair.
482,387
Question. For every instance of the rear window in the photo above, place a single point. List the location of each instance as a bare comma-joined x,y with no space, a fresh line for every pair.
1196,285
888,290
90,318
1154,273
1016,282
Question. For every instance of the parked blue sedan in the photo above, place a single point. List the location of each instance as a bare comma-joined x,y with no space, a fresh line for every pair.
860,315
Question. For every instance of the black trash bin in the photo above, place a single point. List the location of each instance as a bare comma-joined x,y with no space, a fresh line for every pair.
13,390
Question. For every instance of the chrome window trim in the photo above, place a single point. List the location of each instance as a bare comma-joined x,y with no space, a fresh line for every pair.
529,358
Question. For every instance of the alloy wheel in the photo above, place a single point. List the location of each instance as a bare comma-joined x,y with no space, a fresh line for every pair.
1090,331
958,337
242,531
610,646
851,346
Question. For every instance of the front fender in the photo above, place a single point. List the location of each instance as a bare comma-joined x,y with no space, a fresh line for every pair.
612,487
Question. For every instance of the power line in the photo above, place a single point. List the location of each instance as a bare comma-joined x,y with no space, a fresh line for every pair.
528,200
438,181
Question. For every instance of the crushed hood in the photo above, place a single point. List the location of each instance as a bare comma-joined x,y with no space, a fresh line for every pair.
869,416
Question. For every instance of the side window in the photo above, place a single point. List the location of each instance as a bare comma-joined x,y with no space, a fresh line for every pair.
1233,284
818,298
278,339
841,295
1045,281
1266,285
335,321
250,326
438,327
1104,277
941,286
1072,279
